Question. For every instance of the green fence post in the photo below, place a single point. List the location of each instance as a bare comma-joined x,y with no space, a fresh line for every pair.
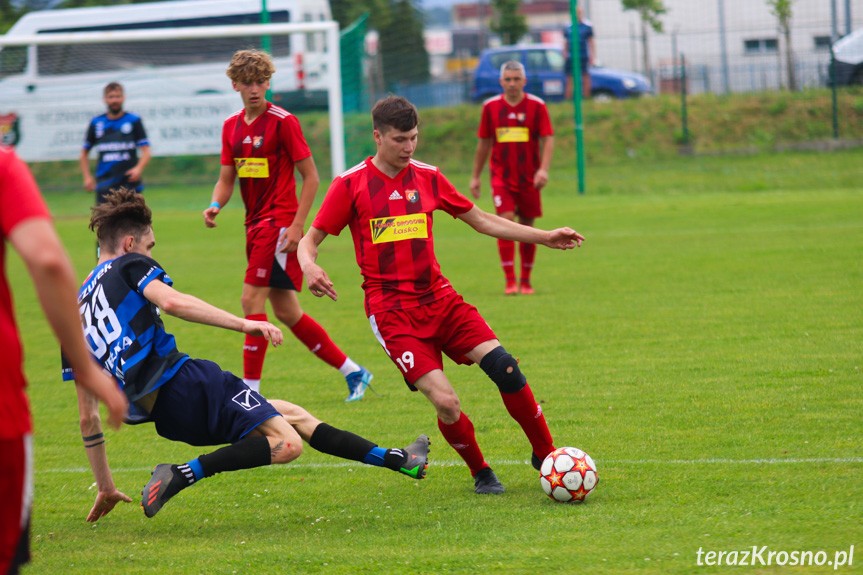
683,99
833,89
575,55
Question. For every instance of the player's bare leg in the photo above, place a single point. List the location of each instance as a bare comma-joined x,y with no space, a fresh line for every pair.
527,253
506,249
458,429
286,307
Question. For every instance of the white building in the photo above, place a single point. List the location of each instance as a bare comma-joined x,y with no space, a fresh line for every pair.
731,45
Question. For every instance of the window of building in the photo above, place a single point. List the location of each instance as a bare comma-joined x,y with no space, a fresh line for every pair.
761,46
822,42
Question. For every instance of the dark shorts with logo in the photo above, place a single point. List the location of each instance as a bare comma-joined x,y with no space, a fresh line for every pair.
203,405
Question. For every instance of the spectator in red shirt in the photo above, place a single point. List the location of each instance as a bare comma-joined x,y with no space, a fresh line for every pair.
26,224
516,129
263,144
388,202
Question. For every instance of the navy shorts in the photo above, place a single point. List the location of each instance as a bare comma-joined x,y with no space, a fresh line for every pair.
203,405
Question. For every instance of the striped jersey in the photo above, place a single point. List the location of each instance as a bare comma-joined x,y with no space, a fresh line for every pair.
264,153
117,142
20,201
123,329
515,132
391,224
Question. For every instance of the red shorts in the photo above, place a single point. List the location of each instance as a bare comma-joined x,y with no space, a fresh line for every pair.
16,485
414,338
525,203
268,267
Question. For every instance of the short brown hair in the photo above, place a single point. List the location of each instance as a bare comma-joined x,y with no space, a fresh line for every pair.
124,213
394,112
111,87
248,66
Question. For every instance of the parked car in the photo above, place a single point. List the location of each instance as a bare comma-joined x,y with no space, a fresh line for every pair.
848,52
546,77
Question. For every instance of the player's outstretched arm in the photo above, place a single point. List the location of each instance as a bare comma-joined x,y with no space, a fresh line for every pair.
94,443
317,279
190,308
221,194
497,227
39,247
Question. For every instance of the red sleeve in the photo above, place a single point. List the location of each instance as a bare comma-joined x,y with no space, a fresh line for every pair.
485,127
19,196
452,202
227,148
292,135
336,210
544,122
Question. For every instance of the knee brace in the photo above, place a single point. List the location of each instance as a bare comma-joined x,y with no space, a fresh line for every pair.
502,368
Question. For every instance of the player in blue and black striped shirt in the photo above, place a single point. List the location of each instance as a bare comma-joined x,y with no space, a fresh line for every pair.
188,400
116,135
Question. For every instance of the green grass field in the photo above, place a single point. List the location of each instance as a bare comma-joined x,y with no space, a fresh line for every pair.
704,345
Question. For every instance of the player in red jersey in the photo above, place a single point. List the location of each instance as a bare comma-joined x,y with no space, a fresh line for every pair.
26,224
516,129
388,203
262,144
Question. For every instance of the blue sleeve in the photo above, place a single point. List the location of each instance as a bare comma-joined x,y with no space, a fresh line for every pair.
138,271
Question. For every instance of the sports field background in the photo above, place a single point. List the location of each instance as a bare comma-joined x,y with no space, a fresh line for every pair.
704,345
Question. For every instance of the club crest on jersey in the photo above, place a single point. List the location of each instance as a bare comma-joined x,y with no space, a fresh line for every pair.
413,196
397,228
257,142
521,116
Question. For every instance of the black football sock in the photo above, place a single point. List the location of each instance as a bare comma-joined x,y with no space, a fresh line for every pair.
332,441
244,454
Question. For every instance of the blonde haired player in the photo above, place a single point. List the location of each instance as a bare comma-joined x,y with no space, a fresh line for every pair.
263,144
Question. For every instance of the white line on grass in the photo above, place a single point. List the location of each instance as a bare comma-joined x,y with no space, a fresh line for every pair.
454,463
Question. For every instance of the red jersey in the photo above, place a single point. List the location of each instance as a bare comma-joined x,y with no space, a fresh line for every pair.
515,132
264,153
20,200
391,224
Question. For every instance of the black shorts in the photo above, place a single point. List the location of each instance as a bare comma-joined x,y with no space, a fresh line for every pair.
203,405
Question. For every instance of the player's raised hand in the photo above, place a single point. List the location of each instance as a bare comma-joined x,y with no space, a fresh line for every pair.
264,329
319,282
105,502
563,239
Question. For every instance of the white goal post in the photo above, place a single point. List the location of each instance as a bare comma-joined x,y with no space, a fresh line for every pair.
183,106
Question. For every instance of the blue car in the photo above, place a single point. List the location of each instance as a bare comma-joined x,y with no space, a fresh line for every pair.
546,77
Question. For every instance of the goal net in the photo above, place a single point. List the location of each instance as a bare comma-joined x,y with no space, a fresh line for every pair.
51,85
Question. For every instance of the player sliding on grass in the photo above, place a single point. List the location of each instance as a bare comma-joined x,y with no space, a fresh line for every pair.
389,202
189,400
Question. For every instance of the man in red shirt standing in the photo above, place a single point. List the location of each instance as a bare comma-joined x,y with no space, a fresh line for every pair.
262,144
516,129
26,224
388,203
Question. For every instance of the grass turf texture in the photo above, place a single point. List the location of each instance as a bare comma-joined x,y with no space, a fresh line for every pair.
704,346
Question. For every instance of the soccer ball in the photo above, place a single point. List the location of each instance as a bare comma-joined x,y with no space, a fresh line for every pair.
568,474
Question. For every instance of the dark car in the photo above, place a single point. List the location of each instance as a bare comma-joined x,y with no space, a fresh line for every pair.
546,77
849,59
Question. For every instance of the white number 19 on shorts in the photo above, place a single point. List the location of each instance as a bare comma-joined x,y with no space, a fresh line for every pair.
406,361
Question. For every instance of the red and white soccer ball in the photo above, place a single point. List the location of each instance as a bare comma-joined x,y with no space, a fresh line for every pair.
568,474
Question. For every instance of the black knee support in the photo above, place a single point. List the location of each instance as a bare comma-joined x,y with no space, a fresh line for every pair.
502,368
